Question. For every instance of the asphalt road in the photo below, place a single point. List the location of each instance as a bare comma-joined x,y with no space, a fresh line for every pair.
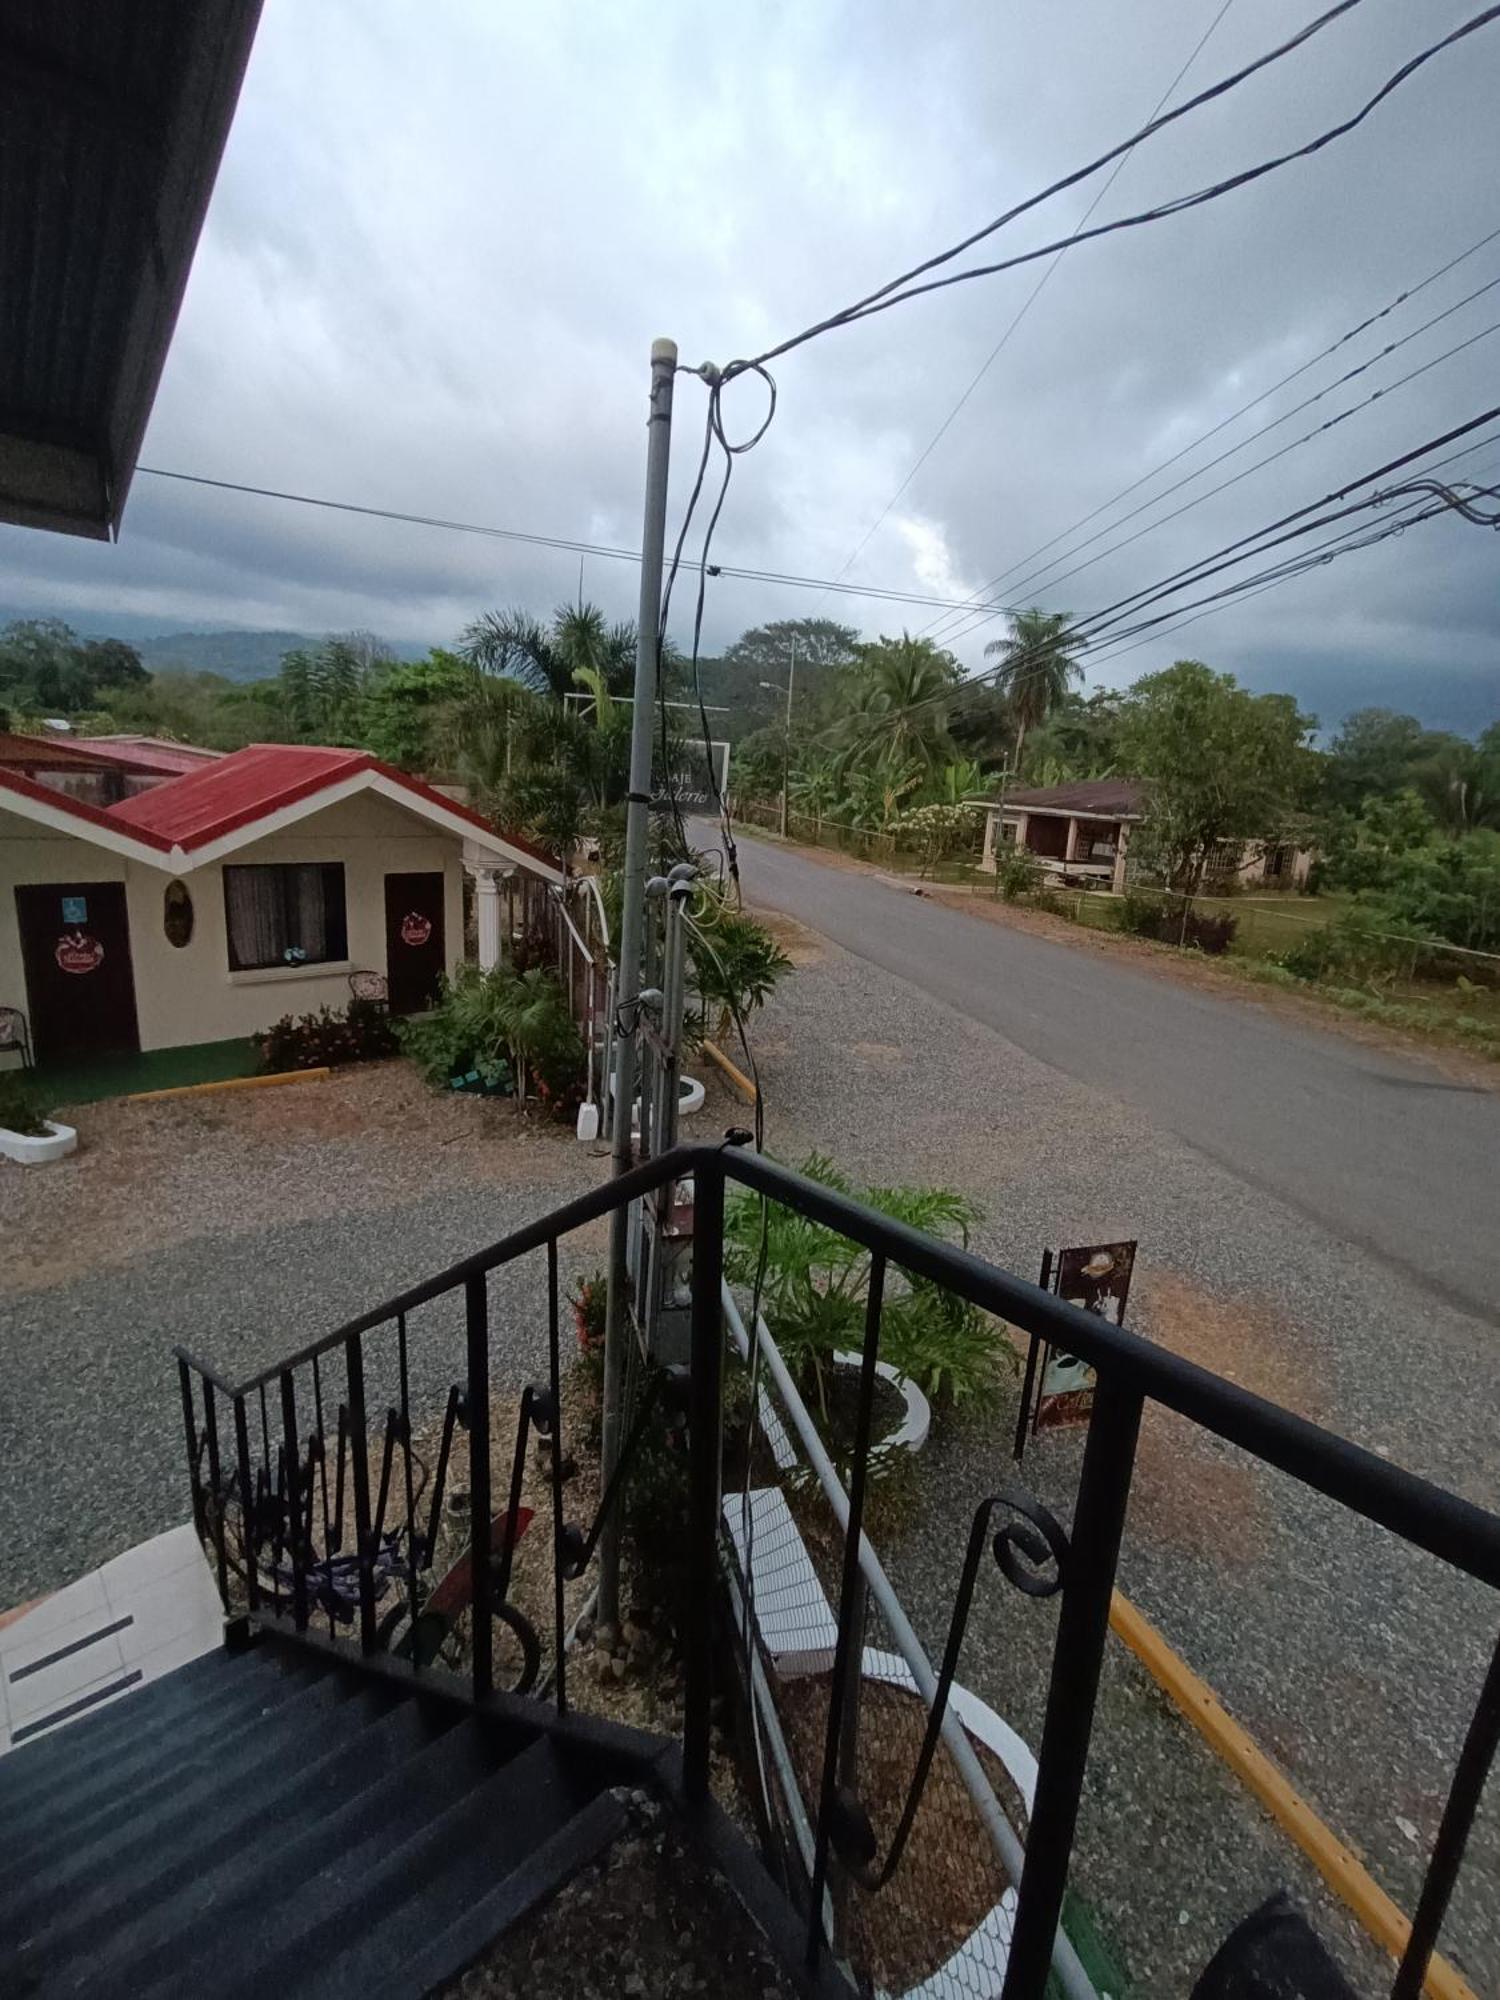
1385,1151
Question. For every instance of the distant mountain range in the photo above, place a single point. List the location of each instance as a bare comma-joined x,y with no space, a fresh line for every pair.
238,655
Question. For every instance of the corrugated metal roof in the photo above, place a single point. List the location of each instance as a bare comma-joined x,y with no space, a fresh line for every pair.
150,753
1109,798
114,117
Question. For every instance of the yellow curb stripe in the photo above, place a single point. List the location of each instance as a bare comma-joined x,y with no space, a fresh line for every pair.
1344,1874
737,1077
231,1083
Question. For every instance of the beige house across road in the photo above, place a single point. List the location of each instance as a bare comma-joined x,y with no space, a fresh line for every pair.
1081,832
252,887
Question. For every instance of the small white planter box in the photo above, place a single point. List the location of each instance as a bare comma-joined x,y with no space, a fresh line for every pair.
57,1142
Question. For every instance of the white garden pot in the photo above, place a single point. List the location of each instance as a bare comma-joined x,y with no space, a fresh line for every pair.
911,1433
55,1144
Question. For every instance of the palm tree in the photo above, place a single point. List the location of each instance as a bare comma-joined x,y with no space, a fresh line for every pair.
548,659
894,707
1038,665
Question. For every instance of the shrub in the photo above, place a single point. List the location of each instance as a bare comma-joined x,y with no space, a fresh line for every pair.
1365,946
1016,871
736,962
815,1284
491,1026
361,1032
1162,919
21,1111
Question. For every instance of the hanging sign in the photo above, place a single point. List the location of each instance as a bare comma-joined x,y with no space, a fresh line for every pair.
76,951
415,928
1060,1391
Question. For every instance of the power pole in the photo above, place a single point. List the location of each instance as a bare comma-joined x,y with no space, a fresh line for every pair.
628,974
786,745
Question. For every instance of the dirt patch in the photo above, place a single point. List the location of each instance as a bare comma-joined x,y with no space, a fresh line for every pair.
1184,1496
1249,1342
879,1055
948,1879
801,945
148,1175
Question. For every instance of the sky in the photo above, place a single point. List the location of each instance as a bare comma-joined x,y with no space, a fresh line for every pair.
443,239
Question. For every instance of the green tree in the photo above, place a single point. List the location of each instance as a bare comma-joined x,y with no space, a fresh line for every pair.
1219,764
1361,850
893,705
1038,664
404,711
547,659
765,654
1460,782
1372,756
323,686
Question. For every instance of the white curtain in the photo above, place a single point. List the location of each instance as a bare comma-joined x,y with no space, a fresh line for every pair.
257,924
309,910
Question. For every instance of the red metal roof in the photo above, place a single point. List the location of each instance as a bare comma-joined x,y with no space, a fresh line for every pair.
150,753
101,816
251,784
42,753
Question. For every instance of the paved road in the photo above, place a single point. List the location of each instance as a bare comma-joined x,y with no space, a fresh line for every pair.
1386,1152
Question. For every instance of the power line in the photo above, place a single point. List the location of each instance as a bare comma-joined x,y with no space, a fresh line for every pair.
902,289
1025,307
1184,451
979,618
570,546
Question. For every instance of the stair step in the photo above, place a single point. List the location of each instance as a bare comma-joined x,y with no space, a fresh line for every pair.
95,1775
435,1959
127,1847
373,1911
270,1881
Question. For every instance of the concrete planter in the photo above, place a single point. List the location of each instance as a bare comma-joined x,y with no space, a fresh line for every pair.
57,1142
911,1433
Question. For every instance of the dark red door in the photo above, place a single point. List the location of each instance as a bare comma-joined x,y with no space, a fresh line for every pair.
414,954
75,944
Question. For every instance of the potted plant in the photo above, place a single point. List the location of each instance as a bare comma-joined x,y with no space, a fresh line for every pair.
27,1134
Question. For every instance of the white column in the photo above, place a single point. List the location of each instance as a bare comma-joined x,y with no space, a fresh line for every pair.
991,835
487,909
1122,842
1070,851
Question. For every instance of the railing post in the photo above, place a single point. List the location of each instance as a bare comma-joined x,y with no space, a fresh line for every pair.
292,1452
359,1466
704,1407
1470,1773
248,1498
216,1487
477,1402
554,1383
1078,1654
190,1425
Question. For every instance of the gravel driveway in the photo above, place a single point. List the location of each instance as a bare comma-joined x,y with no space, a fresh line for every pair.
241,1225
1353,1661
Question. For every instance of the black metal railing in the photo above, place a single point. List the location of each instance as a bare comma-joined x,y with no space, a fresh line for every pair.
287,1579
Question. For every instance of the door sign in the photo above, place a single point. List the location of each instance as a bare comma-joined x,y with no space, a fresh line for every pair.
75,909
415,928
77,952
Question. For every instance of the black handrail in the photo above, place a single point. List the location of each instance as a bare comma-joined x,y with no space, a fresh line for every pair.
1130,1371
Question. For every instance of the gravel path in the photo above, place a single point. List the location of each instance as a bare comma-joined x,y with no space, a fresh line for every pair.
1352,1660
272,1217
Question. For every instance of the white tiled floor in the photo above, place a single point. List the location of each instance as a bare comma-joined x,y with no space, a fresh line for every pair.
161,1598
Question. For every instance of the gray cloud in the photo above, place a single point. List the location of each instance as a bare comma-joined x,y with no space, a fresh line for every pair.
444,238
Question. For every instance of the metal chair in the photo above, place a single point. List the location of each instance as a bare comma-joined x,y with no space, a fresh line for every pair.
371,986
14,1034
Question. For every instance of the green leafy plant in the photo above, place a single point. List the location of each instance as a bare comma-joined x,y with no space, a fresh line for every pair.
736,962
1017,872
1163,919
21,1111
361,1032
816,1283
497,1025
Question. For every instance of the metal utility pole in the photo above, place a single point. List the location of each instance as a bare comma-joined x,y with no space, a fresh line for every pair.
775,687
628,986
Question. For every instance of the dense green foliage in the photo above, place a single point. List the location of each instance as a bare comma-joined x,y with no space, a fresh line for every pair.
816,1282
502,1026
360,1032
21,1108
46,669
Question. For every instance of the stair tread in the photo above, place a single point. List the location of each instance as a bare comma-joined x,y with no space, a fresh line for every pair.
114,1767
380,1908
95,1860
278,1874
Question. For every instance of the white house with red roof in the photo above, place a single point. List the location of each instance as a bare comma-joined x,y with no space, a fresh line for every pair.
251,886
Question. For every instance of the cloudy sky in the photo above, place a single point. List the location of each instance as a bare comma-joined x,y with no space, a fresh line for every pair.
444,237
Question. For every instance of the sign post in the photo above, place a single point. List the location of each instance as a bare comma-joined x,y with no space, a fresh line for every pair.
1058,1388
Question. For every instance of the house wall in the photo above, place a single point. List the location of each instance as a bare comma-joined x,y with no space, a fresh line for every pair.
190,995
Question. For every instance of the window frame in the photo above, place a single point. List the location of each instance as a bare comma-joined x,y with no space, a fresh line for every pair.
336,905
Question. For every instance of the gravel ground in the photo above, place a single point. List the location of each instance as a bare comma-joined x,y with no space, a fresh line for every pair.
1353,1660
271,1216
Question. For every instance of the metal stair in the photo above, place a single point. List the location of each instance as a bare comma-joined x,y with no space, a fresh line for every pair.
273,1820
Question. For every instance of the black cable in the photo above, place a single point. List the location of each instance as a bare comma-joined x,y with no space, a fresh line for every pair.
900,290
1164,465
1025,307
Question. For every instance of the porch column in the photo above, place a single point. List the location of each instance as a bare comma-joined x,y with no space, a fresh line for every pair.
1122,843
991,835
1023,821
487,910
1070,851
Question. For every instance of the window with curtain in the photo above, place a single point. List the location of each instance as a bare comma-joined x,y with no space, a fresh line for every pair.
287,915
